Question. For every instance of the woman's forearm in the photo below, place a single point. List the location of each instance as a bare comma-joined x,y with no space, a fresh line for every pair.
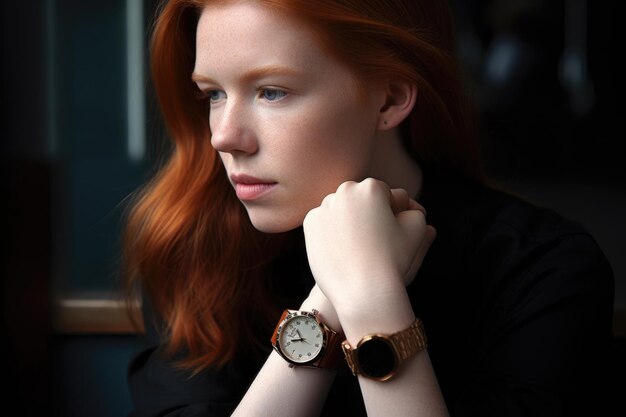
413,390
279,390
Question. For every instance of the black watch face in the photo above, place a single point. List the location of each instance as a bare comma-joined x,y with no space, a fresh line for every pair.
376,358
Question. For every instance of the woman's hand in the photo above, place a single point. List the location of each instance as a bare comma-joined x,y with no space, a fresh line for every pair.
365,243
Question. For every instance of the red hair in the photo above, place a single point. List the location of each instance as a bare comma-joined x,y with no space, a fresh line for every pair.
188,241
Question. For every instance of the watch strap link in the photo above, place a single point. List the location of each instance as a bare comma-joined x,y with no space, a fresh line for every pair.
350,354
409,341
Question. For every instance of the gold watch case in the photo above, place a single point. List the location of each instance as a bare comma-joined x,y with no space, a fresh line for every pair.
383,365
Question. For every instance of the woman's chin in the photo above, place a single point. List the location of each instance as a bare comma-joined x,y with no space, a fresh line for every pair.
274,224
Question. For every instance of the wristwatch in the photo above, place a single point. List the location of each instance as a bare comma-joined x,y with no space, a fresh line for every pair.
302,339
378,356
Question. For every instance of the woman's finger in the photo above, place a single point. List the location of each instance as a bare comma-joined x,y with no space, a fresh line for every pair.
429,236
414,205
399,200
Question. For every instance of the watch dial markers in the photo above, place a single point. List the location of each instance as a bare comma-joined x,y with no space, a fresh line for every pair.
298,335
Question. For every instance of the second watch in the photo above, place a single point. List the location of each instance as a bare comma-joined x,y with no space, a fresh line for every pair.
302,339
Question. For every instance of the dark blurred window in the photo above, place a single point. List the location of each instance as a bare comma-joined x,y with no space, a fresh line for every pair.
96,137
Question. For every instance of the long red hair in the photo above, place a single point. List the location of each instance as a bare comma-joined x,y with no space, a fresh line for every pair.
188,241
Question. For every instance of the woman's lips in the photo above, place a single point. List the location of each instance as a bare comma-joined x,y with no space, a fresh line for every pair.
247,192
249,188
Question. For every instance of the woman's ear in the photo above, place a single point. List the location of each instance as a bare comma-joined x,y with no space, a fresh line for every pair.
400,99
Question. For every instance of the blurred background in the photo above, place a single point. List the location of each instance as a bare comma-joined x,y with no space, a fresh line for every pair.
80,131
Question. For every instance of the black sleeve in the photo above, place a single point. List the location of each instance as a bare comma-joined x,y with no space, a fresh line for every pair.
546,333
158,388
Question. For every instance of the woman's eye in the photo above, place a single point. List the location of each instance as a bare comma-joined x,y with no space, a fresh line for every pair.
215,95
272,94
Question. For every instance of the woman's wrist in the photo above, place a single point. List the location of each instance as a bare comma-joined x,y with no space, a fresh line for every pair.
318,301
373,310
384,313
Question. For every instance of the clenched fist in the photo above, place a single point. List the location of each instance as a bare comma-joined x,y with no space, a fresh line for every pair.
365,243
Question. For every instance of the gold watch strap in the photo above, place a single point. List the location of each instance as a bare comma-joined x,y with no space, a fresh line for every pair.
409,341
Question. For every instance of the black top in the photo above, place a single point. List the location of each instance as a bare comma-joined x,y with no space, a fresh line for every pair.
516,301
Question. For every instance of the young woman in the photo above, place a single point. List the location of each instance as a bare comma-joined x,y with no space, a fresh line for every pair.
324,167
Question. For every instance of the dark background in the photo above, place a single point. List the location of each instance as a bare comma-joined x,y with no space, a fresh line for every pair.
545,75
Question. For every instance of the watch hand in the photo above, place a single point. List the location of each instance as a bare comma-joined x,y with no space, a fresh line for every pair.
301,338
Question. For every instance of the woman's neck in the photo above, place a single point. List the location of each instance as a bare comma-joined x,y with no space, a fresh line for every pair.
392,164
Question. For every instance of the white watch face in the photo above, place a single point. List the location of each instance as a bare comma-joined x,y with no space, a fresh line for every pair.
301,339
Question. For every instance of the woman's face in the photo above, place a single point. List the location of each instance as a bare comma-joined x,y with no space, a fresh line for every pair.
286,118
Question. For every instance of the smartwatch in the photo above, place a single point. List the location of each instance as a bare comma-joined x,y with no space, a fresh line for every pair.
378,356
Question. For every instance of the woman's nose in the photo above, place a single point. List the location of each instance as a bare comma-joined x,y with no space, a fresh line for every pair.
231,130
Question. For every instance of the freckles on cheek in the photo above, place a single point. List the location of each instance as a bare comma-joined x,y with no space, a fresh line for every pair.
347,136
327,140
291,137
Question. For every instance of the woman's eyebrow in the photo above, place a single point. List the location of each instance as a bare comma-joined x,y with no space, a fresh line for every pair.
253,74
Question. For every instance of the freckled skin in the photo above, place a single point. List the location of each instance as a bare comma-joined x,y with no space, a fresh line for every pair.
317,135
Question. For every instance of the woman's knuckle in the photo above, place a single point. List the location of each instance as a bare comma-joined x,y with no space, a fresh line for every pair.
344,186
